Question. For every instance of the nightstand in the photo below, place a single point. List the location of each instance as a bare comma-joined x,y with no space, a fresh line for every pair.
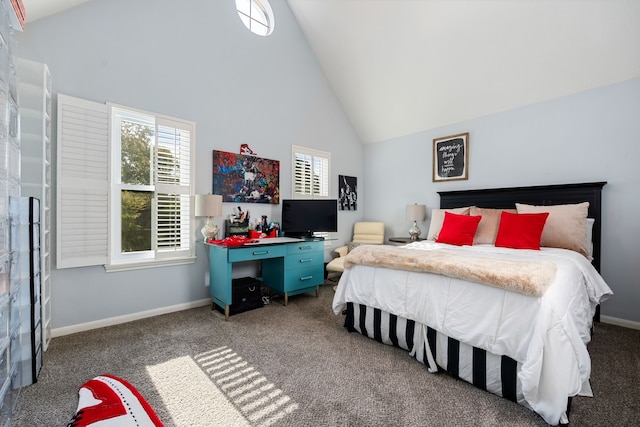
404,239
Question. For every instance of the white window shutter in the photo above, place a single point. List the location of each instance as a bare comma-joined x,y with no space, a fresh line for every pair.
82,183
311,173
174,176
302,176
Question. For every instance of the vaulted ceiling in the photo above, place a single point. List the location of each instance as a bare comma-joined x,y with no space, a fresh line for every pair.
403,66
37,9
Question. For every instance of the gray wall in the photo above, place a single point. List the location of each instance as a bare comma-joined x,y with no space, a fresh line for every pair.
587,137
195,60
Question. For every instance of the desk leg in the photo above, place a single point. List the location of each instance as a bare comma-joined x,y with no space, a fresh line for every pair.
286,298
226,313
317,287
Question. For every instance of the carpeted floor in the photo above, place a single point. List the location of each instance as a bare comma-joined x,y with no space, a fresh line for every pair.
297,366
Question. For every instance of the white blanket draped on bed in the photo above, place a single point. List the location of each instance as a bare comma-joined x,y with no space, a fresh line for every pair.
547,334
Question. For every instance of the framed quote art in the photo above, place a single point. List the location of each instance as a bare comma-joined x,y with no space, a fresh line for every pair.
451,158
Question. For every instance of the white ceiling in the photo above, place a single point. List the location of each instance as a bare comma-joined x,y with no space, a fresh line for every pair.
37,9
403,66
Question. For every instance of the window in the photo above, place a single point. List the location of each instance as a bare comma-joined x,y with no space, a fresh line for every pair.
256,15
150,193
127,202
311,171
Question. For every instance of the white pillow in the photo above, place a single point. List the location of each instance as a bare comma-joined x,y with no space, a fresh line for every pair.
566,226
437,218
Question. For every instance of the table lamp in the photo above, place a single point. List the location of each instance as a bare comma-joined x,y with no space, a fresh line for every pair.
416,213
209,205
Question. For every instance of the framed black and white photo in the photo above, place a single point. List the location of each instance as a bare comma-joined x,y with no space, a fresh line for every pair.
451,158
348,189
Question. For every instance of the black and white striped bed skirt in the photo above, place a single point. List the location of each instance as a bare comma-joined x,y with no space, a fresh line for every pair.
490,372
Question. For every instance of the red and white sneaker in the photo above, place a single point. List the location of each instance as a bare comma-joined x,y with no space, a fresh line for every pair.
108,401
246,150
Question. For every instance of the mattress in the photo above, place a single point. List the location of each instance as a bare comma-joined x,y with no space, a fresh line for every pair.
545,335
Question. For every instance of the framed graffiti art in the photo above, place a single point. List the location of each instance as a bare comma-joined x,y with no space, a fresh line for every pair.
242,178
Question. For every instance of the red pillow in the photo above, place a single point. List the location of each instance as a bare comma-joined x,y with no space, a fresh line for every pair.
458,229
521,231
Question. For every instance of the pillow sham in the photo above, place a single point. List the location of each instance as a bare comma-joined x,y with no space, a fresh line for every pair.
590,222
566,226
488,227
437,218
458,229
521,231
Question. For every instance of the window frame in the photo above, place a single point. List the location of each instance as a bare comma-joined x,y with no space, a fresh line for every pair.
117,187
325,179
263,8
118,260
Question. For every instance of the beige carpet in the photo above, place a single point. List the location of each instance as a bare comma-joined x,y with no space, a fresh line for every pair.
297,366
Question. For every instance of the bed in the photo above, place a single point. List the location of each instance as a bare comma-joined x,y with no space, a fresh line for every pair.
521,331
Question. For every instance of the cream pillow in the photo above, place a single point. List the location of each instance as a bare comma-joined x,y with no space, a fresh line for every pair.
437,218
566,226
489,224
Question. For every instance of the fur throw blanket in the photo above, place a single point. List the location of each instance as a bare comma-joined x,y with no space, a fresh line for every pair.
527,277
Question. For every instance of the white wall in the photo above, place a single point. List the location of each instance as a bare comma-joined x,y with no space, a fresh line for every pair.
591,136
193,60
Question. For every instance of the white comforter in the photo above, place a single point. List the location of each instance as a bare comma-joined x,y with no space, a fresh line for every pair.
547,335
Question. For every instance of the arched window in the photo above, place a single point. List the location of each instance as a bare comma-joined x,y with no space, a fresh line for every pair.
256,15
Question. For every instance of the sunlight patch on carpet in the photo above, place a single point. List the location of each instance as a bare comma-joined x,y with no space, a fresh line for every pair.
247,389
190,396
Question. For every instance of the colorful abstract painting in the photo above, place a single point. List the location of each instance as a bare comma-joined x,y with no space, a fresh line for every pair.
246,179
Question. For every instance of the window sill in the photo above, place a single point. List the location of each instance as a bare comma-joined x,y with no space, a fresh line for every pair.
139,265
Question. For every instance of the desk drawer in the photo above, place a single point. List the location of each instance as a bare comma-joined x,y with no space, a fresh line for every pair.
305,247
256,252
311,259
301,278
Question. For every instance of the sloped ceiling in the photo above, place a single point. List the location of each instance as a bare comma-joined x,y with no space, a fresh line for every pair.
403,66
37,9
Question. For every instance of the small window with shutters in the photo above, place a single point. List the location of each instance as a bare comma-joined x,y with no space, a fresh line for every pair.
311,172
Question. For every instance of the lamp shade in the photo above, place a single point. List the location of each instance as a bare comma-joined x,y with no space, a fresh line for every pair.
208,205
416,212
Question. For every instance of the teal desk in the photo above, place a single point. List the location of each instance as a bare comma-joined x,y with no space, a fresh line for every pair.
289,267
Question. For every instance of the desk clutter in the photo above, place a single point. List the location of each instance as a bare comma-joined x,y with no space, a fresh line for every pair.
238,224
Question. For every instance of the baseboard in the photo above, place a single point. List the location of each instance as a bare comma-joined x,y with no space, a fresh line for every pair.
620,322
68,330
